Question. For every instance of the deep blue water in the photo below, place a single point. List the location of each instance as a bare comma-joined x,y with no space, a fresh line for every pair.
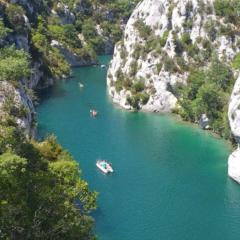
170,180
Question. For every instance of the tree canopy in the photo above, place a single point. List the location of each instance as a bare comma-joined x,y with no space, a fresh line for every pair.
42,193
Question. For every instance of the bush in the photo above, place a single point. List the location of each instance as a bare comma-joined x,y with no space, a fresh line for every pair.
15,17
220,74
118,85
14,64
57,64
210,28
236,61
164,38
133,68
186,39
144,98
179,46
138,87
229,9
208,91
143,30
4,31
134,101
169,64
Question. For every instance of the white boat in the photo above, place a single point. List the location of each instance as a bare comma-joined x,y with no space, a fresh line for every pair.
104,166
81,85
103,66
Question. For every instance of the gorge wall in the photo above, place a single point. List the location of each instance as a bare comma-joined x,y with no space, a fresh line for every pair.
160,40
55,35
234,119
182,56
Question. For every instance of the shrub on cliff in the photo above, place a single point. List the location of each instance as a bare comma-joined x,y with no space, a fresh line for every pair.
4,31
143,30
229,9
236,61
14,64
15,17
207,92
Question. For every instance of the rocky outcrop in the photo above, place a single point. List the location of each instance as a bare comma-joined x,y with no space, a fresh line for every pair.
161,38
234,120
66,16
73,59
18,103
234,165
234,110
204,122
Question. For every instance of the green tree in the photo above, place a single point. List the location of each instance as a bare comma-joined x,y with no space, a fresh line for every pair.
15,17
220,74
4,31
40,199
14,64
210,100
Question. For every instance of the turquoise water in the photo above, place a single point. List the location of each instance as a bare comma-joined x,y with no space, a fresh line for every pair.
170,180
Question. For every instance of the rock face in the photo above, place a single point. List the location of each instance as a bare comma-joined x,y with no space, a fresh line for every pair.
33,27
234,110
73,59
18,103
234,120
204,122
161,38
234,166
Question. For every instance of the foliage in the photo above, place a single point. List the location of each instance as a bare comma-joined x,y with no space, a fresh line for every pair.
143,29
236,61
229,9
15,17
136,99
210,28
138,87
220,74
207,92
186,39
163,39
4,31
42,193
32,179
14,64
65,34
54,64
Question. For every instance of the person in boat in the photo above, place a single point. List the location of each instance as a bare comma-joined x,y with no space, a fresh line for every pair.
93,113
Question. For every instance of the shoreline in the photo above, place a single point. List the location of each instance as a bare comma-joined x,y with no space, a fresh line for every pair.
179,120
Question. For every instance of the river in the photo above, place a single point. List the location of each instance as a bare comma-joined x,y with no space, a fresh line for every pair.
170,180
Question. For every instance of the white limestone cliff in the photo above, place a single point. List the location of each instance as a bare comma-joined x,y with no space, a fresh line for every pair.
170,19
234,120
17,102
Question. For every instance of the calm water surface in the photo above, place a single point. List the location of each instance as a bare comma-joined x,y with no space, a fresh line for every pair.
170,180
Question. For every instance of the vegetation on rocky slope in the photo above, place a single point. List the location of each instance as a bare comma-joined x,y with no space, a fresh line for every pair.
186,51
207,91
42,193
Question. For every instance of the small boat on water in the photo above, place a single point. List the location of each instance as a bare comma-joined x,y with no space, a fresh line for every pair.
81,85
93,113
103,66
104,166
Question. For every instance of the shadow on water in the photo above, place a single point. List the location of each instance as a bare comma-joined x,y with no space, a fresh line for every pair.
52,92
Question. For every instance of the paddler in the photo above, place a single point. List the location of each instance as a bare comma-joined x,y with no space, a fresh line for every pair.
93,113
